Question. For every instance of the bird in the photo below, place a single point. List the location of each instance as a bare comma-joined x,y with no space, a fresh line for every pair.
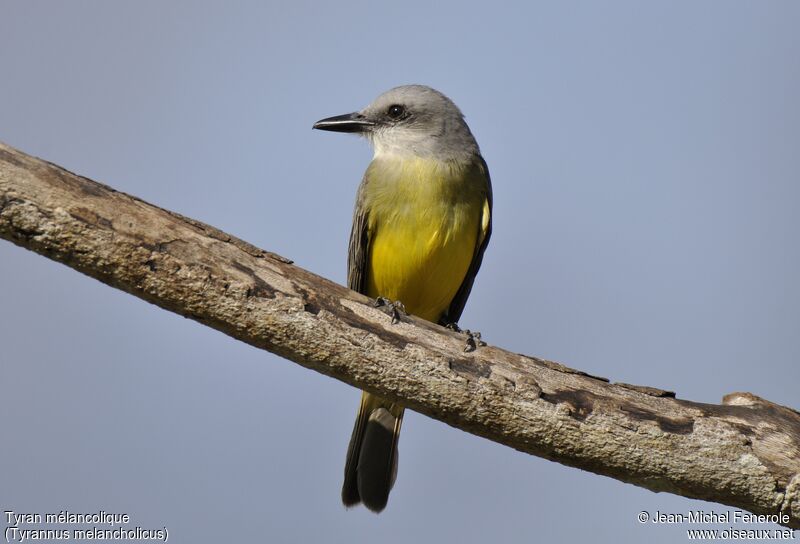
421,224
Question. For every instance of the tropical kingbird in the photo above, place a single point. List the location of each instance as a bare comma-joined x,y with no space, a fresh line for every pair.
421,225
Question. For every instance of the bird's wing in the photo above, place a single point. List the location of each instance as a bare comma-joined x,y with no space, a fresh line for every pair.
453,313
359,247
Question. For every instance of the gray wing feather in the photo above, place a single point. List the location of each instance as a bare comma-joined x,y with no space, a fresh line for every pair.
359,246
453,313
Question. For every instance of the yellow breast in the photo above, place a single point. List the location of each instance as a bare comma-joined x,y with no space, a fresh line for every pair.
424,219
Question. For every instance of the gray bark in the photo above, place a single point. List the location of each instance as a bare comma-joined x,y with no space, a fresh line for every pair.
744,452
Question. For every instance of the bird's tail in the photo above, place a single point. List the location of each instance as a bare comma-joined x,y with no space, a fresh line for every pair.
371,466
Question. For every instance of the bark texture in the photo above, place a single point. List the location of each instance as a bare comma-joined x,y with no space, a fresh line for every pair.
744,452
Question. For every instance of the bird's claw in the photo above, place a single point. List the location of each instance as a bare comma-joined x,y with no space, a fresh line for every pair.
453,327
394,308
473,338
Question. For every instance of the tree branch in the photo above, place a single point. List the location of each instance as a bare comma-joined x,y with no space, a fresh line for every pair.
744,452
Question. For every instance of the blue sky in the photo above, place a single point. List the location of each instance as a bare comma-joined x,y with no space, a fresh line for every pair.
644,158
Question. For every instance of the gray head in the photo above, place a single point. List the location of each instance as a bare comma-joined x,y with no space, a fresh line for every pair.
412,119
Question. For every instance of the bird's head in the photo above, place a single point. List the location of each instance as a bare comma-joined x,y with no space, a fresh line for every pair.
412,119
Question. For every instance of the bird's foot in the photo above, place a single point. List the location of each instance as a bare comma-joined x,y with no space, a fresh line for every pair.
473,338
453,327
393,308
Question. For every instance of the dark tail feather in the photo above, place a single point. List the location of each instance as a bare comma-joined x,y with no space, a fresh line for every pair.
371,466
350,495
377,463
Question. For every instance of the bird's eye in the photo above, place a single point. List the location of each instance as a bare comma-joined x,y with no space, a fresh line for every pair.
396,111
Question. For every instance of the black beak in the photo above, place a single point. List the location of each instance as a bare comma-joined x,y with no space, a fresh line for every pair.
349,122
